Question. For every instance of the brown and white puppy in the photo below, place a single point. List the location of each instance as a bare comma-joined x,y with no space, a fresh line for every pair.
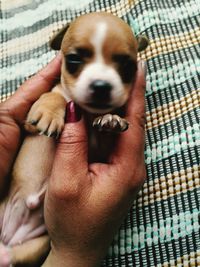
99,61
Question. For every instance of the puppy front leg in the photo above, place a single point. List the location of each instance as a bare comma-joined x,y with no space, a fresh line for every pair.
47,114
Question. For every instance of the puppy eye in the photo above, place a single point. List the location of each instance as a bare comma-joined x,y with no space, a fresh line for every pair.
128,71
73,62
84,52
127,67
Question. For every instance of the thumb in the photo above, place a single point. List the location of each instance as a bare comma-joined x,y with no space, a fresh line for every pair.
19,104
71,158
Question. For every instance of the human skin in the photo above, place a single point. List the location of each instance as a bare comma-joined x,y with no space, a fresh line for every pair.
85,203
13,113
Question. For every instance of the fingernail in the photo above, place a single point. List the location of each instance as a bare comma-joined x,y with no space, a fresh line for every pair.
143,66
73,112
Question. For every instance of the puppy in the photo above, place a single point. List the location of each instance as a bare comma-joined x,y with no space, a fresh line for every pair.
99,60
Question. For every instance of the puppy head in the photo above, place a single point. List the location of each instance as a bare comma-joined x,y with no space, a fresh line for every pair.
99,61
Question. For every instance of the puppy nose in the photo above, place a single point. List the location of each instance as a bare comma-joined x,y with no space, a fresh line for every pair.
100,90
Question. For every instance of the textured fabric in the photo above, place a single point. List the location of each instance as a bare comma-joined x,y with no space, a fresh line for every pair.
162,227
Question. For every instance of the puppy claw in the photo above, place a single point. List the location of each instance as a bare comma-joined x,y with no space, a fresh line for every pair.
114,124
46,133
124,126
55,135
33,122
41,132
49,134
110,123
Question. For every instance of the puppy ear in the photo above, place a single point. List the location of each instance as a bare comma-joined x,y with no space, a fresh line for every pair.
56,40
143,42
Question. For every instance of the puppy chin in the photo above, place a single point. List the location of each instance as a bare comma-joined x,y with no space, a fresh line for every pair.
87,104
101,109
96,110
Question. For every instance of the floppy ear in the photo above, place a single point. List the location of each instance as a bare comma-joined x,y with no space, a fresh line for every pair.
143,42
56,40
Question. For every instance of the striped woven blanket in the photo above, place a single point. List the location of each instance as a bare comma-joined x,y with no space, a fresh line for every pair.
163,225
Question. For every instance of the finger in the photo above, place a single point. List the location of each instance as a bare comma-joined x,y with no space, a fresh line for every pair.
130,146
71,154
136,104
19,104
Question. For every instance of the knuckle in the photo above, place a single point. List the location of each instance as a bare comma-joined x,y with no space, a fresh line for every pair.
72,137
140,119
136,180
143,84
64,191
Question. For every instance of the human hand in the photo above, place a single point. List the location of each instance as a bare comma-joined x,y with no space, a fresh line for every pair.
86,203
14,110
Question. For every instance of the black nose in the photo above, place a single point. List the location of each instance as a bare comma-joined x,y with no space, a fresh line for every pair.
100,90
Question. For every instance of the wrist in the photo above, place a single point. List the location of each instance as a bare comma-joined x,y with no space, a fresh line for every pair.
68,259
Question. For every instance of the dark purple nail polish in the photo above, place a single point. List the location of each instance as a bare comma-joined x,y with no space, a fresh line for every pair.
73,112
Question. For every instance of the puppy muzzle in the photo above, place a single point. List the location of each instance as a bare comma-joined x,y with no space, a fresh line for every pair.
100,91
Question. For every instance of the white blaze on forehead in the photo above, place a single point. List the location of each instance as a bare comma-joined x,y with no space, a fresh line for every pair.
98,38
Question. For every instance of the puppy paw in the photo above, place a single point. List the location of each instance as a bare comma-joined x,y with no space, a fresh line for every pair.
46,116
110,123
5,256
